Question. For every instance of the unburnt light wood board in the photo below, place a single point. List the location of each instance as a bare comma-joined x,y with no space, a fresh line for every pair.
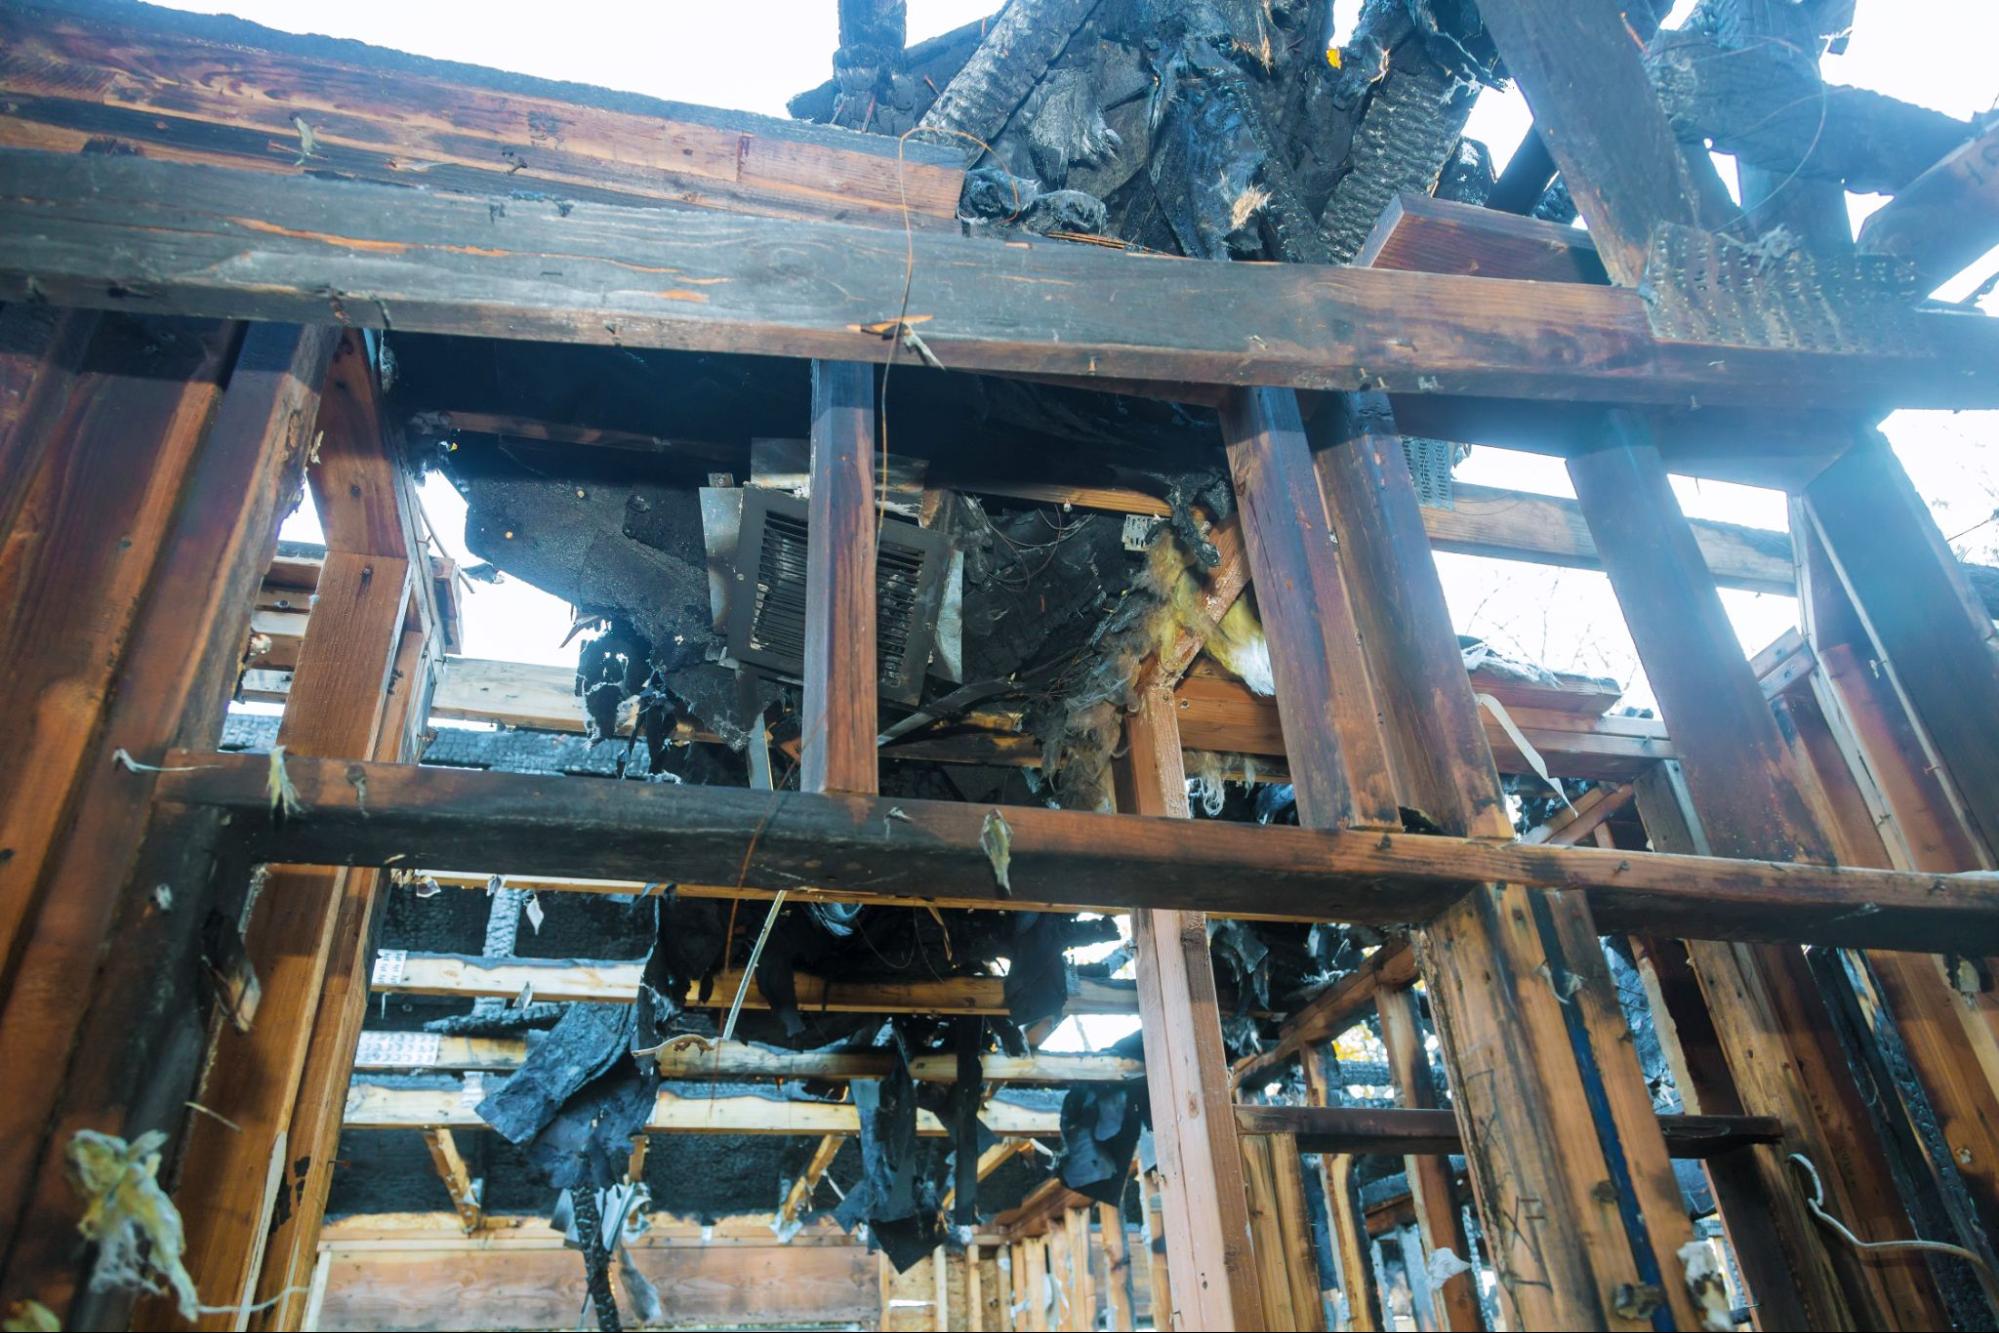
372,1104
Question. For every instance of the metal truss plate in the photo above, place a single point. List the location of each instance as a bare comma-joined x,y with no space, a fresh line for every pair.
1700,286
407,1050
389,964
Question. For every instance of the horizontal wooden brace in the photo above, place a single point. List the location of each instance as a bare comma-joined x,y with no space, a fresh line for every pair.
162,237
372,1104
697,1060
1407,1131
562,981
401,814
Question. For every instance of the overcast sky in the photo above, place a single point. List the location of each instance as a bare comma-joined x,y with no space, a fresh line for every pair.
1566,619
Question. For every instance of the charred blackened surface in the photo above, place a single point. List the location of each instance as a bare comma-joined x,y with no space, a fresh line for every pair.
1100,1128
1726,82
1221,129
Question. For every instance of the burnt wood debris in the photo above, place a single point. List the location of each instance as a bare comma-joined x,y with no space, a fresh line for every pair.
997,506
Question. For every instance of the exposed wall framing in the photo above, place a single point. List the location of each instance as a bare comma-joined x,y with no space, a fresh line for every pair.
1794,865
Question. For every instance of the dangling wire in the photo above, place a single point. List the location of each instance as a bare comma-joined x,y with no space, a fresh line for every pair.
1816,1203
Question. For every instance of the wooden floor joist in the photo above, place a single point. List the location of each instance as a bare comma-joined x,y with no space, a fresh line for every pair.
1059,859
563,981
373,1105
117,232
696,1059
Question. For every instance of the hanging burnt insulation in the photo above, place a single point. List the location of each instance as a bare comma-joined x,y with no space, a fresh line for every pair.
898,1206
969,1138
1101,1123
687,951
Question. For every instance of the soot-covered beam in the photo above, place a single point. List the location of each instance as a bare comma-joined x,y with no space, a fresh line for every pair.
125,233
401,814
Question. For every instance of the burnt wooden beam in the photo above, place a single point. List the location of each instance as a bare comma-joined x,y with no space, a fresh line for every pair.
191,474
1526,177
702,1061
1012,55
1409,1131
338,704
105,428
1779,448
1934,638
1611,136
109,232
1622,163
369,511
373,1104
221,91
1945,218
1332,737
1763,103
1550,1099
1531,170
401,814
1419,233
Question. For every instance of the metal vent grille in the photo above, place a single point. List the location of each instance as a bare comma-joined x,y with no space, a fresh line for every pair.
767,612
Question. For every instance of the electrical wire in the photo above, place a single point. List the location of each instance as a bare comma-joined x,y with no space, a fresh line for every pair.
1816,1202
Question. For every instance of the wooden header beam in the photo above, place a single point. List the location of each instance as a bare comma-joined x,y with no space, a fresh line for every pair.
376,814
124,233
416,1270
